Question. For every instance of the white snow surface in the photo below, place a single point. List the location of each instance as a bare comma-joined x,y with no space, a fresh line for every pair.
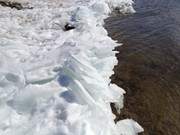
56,82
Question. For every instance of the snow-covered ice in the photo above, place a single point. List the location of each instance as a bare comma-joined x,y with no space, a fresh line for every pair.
56,82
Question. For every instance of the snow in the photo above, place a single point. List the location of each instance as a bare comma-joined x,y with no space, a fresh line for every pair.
56,82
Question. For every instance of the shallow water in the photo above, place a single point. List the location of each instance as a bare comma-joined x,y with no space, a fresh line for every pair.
149,64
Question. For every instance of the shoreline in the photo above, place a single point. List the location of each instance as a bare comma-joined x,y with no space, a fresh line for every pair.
149,66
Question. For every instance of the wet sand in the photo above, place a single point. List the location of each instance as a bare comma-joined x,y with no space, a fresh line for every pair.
149,64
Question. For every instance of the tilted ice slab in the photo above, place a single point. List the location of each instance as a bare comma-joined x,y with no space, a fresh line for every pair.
56,82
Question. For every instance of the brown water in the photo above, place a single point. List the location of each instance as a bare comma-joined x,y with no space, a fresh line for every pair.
149,64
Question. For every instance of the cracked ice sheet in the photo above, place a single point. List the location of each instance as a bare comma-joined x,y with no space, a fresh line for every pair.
56,82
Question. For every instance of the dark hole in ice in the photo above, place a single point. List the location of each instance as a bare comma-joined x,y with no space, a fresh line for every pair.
68,27
68,96
64,80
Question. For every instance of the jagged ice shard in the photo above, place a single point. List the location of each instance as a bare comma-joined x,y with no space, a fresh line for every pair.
55,81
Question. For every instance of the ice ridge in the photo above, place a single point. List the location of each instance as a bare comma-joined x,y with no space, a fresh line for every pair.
55,81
